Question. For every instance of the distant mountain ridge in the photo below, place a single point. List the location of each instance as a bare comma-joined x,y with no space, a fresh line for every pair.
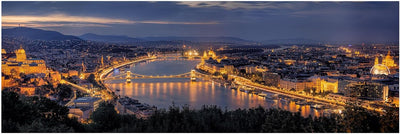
200,39
292,41
123,38
109,38
36,34
39,34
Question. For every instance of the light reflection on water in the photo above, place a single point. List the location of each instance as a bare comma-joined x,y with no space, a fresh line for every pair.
180,91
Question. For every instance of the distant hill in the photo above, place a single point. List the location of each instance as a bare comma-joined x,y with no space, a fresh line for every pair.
109,38
199,39
36,34
292,41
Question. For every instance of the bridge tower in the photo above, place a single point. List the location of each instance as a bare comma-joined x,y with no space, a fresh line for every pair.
193,75
128,76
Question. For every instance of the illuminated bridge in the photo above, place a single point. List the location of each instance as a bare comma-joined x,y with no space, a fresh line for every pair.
129,75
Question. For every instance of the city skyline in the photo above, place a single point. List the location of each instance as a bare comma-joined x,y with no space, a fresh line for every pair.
190,66
258,21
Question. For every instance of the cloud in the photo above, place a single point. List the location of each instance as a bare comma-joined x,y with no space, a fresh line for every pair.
63,18
184,23
52,25
60,20
241,5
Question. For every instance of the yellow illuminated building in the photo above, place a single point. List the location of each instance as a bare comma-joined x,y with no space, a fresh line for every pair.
212,68
380,69
383,67
376,61
210,54
191,53
388,61
329,86
324,84
21,64
289,62
21,56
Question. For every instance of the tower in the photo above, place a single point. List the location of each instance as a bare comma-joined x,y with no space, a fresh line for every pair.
205,55
128,77
83,67
193,75
21,56
102,61
376,61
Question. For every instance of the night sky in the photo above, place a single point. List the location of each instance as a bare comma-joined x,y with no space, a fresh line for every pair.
335,21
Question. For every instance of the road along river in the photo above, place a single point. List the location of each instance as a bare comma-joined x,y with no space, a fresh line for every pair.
164,92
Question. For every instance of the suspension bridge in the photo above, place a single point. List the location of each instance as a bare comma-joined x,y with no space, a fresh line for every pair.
128,76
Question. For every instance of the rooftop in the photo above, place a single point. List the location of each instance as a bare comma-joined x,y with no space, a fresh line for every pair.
87,99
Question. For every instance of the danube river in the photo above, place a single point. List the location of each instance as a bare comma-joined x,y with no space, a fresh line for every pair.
181,91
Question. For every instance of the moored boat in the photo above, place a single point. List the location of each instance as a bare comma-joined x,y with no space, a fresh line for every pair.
301,102
316,106
262,94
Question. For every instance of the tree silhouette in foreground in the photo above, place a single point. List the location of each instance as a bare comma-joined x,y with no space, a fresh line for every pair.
34,114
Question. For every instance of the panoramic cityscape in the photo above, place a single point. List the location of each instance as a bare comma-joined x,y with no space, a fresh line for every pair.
200,66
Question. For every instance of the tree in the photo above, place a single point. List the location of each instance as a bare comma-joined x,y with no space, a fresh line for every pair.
63,91
92,79
35,114
105,118
14,73
307,90
40,126
217,74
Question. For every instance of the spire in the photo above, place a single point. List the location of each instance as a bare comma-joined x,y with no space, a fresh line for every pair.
83,67
376,61
102,61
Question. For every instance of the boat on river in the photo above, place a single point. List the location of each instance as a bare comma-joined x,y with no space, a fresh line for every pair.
275,96
269,97
262,94
227,84
284,100
316,106
256,92
303,102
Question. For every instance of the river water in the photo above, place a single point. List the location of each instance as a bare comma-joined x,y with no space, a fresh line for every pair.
165,92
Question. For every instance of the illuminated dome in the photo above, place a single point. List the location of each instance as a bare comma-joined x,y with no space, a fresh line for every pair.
380,69
20,50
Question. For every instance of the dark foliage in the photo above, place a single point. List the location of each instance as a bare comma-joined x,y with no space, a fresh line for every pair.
33,114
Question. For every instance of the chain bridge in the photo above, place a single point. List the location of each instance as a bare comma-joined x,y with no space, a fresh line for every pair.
128,76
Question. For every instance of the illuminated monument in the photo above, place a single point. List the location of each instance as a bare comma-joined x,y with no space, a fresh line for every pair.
379,69
384,66
20,64
388,61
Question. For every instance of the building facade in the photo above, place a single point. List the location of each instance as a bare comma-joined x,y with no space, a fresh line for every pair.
20,64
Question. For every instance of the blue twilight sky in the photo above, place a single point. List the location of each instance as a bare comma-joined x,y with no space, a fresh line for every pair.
335,21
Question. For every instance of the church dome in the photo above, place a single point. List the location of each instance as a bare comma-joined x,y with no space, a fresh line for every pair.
20,50
379,69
